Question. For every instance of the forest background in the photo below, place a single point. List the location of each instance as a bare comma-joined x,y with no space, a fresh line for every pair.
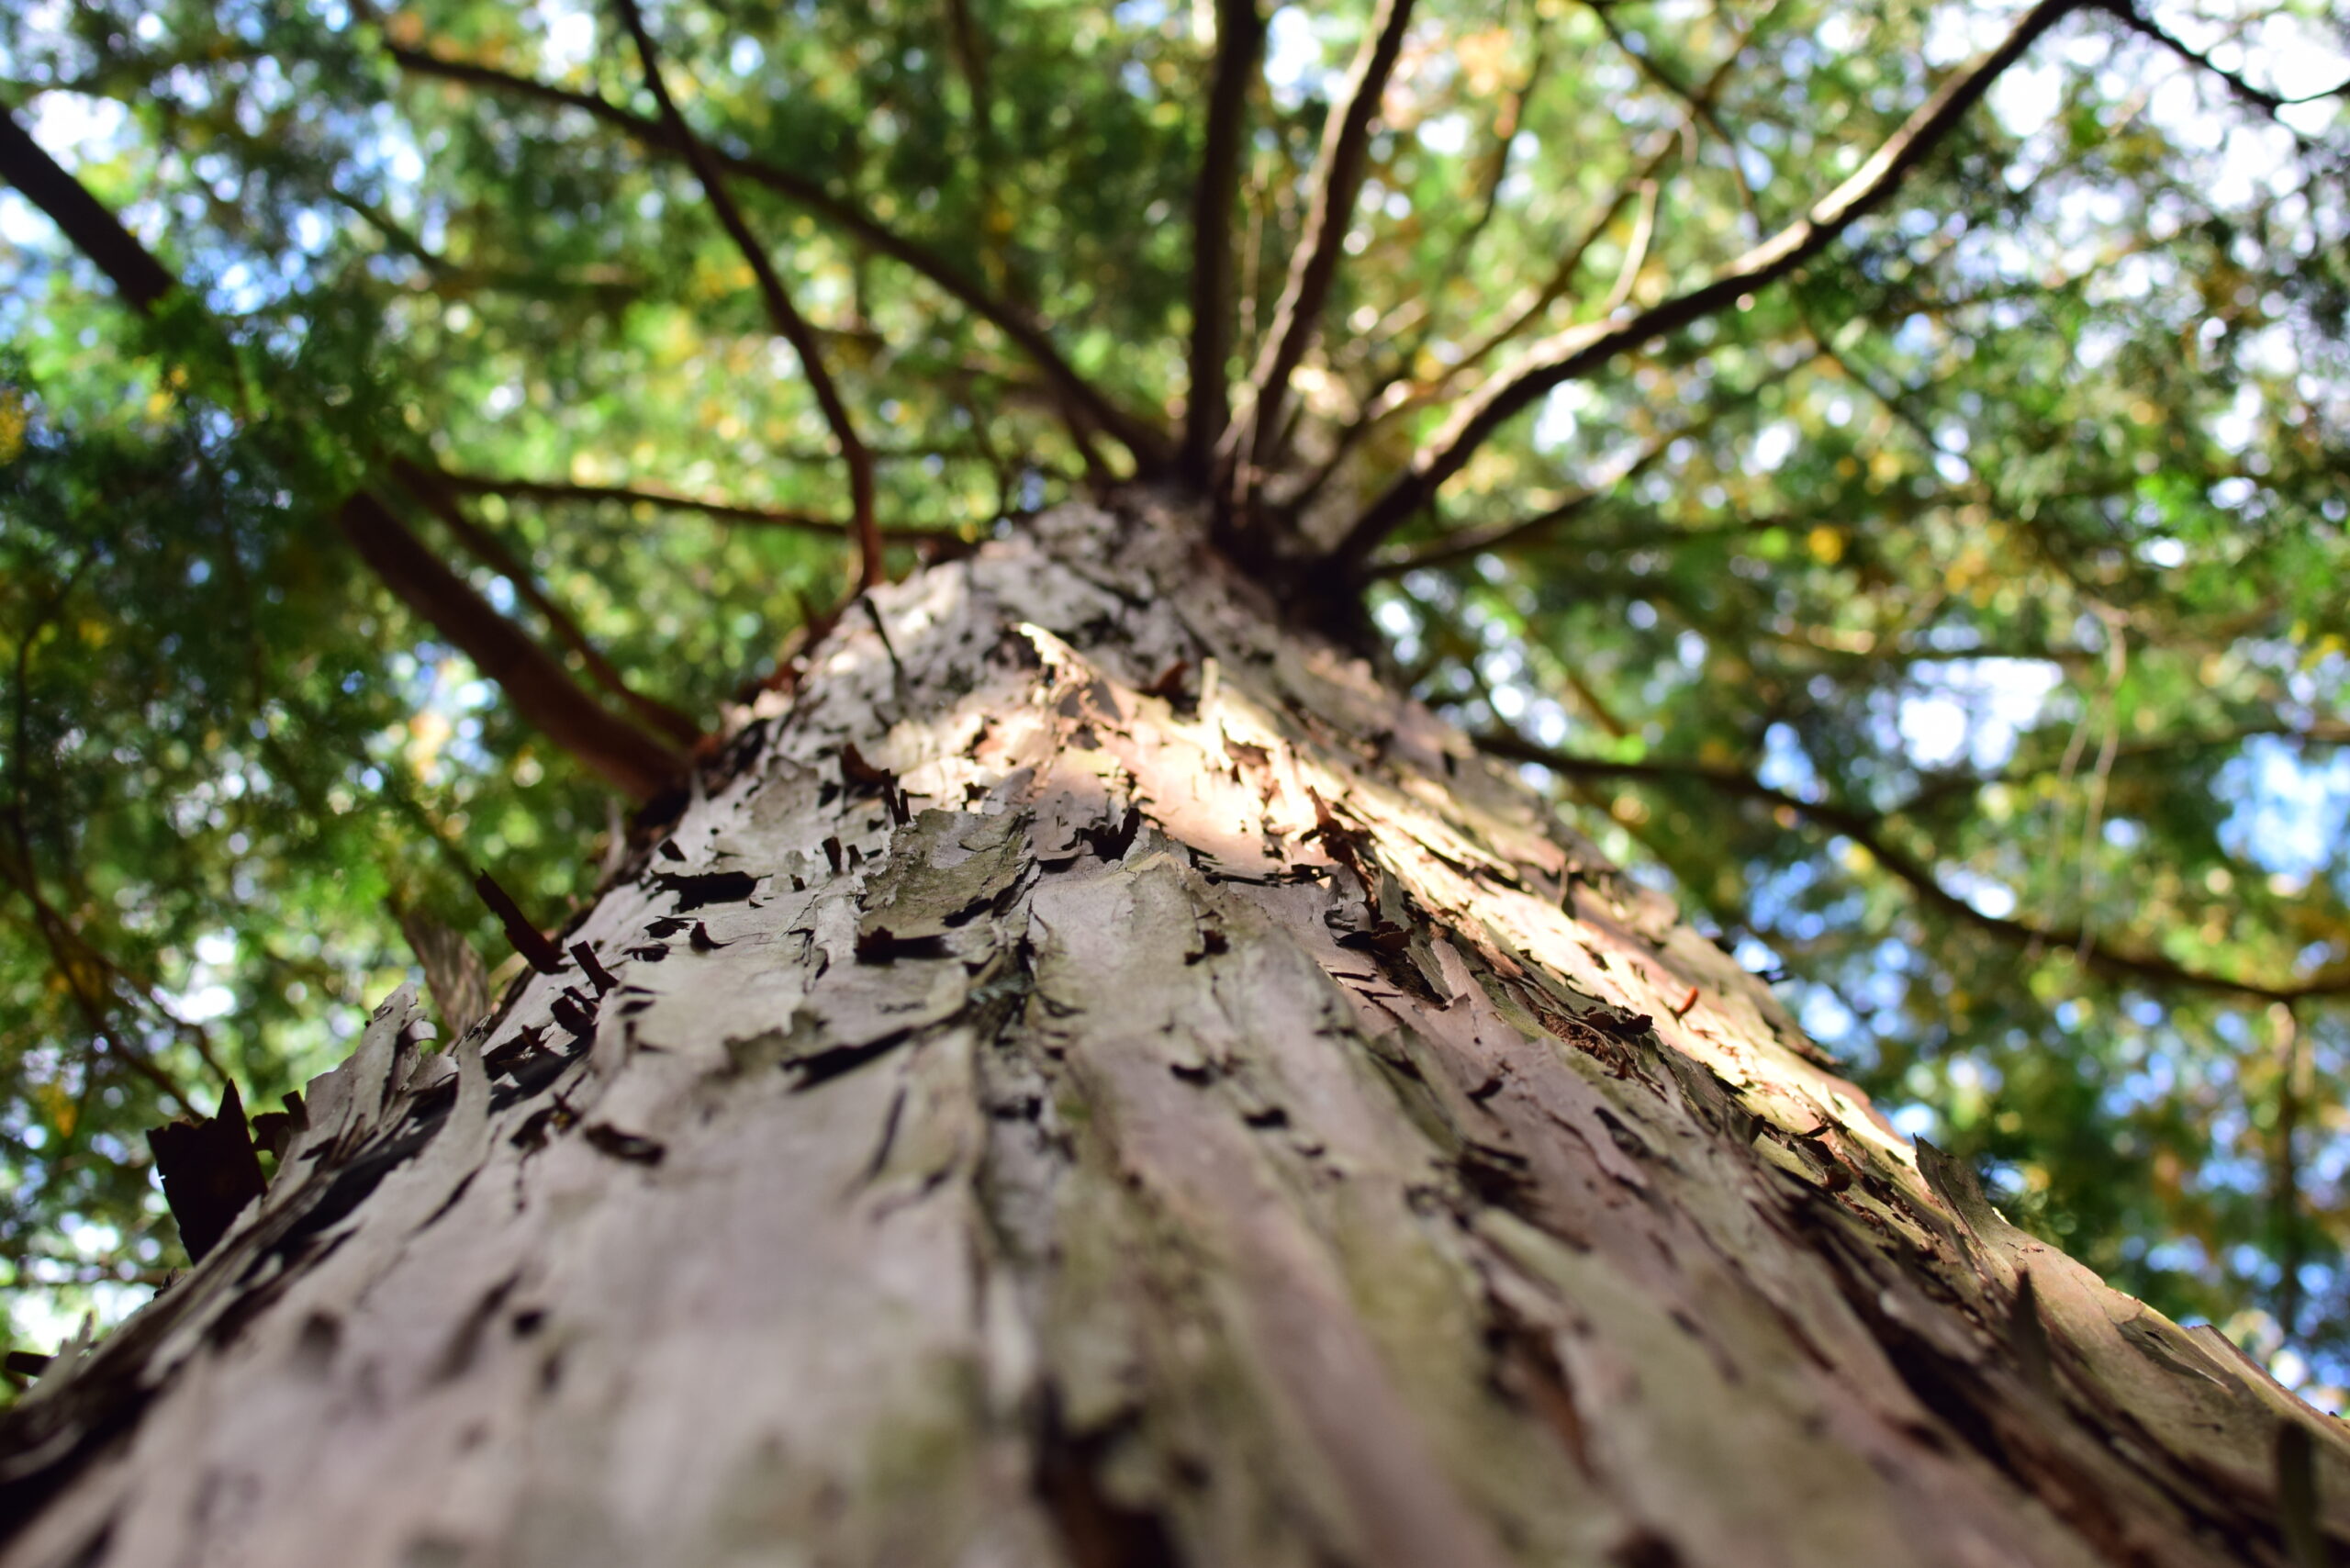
1955,625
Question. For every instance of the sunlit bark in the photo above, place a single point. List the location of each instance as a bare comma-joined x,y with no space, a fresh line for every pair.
1098,1079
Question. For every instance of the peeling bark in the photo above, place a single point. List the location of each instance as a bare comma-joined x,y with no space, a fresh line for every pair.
1097,1079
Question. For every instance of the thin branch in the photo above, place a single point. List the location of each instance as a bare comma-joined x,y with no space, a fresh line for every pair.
1314,265
785,316
1239,43
1400,393
1869,832
1580,348
1462,543
485,547
1941,786
2129,14
1083,402
1697,102
731,512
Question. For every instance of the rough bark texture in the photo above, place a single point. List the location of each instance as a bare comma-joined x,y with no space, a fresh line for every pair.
1098,1081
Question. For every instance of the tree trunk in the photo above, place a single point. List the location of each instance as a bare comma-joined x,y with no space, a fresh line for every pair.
1098,1079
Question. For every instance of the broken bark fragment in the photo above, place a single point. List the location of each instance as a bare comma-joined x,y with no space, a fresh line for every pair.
210,1172
698,891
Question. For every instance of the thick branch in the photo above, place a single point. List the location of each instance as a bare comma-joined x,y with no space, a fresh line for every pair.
137,277
1582,348
1314,265
1239,42
1869,832
485,547
1085,403
539,687
789,323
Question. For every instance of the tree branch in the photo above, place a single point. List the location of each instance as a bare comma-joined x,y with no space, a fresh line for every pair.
1239,42
1314,265
428,487
136,275
1083,403
2129,14
787,321
1462,543
1580,348
672,500
539,687
1869,832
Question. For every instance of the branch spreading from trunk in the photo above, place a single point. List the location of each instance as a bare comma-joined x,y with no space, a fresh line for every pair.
2129,14
1239,42
1582,348
1870,832
1314,265
1083,403
787,321
429,487
732,512
539,687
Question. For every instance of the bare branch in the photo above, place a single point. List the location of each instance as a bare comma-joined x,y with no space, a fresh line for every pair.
2129,14
731,512
1869,832
1239,42
1583,348
1314,265
136,275
540,689
485,547
787,321
1084,404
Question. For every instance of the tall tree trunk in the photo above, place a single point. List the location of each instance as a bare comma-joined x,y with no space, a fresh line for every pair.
1098,1079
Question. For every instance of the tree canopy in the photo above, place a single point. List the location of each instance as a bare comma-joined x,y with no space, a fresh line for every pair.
1880,463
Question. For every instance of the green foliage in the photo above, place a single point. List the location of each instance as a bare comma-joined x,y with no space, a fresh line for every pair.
1957,625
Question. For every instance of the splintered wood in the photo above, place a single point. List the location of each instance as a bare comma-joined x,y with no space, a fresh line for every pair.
1095,1078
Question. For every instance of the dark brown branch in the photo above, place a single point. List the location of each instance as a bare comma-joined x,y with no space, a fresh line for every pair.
785,316
1314,265
1239,42
1084,403
538,686
1462,543
136,275
2129,14
1582,348
672,500
485,547
540,689
1869,832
